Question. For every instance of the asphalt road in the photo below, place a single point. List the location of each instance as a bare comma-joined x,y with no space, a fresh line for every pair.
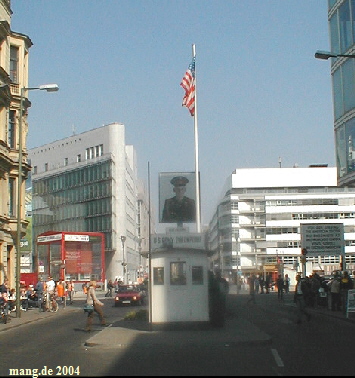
323,346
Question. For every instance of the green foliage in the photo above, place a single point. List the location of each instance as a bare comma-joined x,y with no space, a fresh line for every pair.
137,315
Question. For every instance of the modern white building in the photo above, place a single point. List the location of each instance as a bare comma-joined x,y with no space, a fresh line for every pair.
88,182
256,227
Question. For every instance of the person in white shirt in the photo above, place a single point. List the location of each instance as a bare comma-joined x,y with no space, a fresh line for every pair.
50,285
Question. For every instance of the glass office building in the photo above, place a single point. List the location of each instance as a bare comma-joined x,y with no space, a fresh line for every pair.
88,183
341,17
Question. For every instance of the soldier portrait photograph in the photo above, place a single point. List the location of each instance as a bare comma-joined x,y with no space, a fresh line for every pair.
179,208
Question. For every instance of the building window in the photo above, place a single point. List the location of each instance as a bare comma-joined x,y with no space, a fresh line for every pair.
46,167
35,170
14,57
78,158
65,161
89,153
11,203
345,26
12,125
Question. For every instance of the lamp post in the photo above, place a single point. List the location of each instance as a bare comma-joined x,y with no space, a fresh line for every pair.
239,263
325,55
319,54
48,88
124,264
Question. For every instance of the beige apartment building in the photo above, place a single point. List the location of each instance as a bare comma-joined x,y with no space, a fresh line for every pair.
14,49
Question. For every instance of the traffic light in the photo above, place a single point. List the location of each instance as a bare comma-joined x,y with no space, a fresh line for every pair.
304,251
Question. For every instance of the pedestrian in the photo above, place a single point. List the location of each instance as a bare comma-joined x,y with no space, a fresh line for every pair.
267,282
217,289
70,289
287,284
32,297
346,284
50,290
23,299
223,287
251,283
262,284
334,287
280,287
61,290
39,290
301,292
12,300
315,286
257,284
91,299
115,284
84,286
4,288
109,289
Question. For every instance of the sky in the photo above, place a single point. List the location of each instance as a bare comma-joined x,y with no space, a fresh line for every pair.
261,94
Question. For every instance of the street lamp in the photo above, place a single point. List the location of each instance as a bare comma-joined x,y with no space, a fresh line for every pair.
48,88
124,264
328,54
239,263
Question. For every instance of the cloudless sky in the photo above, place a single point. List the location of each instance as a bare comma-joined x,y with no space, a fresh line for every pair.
261,93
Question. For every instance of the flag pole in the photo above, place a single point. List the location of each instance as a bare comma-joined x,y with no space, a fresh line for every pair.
198,217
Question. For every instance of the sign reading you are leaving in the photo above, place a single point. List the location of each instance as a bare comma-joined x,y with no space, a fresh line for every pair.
322,238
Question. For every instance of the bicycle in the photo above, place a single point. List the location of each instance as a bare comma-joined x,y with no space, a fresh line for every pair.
4,310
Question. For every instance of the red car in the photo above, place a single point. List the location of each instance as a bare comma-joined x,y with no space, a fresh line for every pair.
128,294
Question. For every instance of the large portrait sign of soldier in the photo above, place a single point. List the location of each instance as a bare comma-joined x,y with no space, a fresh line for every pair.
177,197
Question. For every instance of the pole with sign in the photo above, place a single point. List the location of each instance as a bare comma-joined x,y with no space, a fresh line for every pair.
304,260
323,239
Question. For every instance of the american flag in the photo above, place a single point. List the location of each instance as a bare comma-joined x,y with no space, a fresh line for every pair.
188,83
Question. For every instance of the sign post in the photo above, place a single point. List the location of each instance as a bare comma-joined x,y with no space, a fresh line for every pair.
304,260
322,239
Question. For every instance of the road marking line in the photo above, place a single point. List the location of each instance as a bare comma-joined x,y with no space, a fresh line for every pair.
277,357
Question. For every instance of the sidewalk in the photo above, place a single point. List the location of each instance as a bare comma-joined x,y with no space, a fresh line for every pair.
288,300
34,315
236,330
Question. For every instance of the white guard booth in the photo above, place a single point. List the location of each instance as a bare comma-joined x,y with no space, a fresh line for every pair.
179,285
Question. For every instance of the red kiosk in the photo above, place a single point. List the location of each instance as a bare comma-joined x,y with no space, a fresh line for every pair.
76,256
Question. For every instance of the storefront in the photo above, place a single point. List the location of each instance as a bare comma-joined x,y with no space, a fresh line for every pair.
77,256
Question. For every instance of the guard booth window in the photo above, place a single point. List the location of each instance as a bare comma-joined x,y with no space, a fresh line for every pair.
158,276
178,273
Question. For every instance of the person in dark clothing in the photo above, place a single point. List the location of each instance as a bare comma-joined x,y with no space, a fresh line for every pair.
280,287
301,292
267,283
251,283
217,290
262,284
287,283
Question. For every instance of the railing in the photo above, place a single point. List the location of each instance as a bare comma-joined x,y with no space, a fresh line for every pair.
15,89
